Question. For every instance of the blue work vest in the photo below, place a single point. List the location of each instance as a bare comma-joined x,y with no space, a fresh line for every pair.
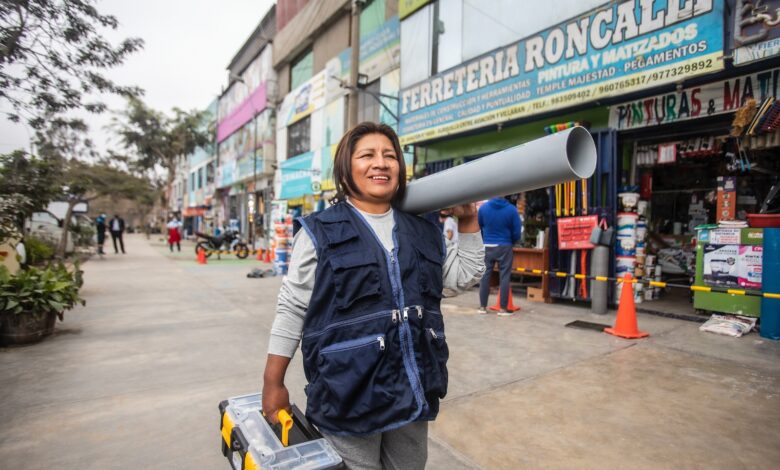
373,344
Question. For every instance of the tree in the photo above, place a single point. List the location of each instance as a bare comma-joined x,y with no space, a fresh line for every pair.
27,185
67,146
158,140
85,182
52,58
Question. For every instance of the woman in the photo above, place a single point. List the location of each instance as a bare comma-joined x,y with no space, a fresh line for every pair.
174,234
362,298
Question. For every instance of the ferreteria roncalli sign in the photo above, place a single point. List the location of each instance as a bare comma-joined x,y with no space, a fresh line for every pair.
612,50
711,99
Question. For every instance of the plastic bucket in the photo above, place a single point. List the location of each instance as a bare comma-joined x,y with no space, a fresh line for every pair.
626,224
281,254
625,264
625,246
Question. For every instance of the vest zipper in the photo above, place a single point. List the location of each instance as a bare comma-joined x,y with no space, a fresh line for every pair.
348,322
405,332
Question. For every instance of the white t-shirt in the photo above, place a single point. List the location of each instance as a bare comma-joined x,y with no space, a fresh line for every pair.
451,225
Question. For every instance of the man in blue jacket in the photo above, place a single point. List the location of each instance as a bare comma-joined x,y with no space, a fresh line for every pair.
501,228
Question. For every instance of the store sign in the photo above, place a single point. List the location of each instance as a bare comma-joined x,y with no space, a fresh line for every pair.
303,101
380,52
297,176
700,101
254,104
756,30
615,49
407,7
246,97
574,232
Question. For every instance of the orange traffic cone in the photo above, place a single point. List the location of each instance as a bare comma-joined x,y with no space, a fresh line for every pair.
510,306
267,258
625,323
259,255
201,256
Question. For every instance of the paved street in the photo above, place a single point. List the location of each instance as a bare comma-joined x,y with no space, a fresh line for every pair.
133,380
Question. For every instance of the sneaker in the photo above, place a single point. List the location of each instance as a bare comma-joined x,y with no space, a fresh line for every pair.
505,313
482,311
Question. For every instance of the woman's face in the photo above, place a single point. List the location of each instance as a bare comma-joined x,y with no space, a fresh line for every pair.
375,168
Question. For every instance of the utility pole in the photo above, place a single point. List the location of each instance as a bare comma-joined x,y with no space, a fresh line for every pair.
354,66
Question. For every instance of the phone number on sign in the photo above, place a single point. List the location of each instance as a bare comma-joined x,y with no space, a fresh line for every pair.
692,67
622,84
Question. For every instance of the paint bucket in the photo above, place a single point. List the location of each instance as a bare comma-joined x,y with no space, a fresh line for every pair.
625,247
281,254
641,229
640,248
625,264
626,224
628,201
641,207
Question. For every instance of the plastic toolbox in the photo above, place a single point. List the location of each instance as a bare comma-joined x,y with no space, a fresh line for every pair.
251,443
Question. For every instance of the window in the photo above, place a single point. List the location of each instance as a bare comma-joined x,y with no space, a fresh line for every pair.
210,173
368,106
192,181
301,69
200,177
299,137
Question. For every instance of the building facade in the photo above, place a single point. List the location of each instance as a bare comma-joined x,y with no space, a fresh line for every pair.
245,137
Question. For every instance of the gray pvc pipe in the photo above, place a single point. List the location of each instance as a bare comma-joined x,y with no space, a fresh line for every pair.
563,156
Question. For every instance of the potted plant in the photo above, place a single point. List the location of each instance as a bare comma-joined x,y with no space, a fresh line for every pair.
31,301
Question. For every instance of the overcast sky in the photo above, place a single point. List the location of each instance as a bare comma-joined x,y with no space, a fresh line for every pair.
189,44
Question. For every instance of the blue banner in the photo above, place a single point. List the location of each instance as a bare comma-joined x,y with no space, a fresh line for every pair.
296,176
615,49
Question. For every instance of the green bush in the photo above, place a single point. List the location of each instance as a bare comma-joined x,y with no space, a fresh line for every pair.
33,290
39,250
82,234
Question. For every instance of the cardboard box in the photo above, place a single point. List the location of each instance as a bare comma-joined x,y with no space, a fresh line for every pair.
535,294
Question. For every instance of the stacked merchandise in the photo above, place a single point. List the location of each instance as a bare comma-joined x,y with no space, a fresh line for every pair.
631,248
283,229
626,244
646,267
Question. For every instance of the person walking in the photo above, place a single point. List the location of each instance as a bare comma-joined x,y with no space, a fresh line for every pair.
100,228
117,228
174,233
501,228
362,297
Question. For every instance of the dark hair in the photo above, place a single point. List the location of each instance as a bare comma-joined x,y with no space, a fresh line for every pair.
342,162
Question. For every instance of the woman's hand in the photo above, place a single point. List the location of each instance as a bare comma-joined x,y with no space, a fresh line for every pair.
467,217
275,398
275,394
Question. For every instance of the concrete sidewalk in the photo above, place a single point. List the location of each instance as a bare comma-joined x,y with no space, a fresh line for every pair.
133,380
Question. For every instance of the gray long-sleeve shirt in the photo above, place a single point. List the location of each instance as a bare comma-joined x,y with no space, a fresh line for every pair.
464,264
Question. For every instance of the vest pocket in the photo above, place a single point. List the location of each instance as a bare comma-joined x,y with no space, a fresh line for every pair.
356,277
347,373
430,269
435,363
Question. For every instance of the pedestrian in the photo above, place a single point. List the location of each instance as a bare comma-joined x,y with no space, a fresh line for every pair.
174,233
117,228
100,228
501,228
449,226
362,297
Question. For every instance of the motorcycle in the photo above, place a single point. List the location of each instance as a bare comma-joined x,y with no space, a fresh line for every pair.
230,240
